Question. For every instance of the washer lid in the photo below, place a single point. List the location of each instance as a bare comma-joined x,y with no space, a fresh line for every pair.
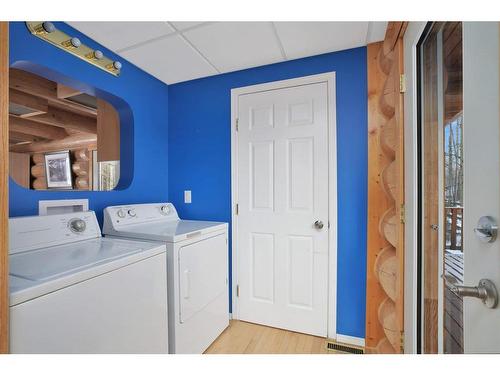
57,261
171,231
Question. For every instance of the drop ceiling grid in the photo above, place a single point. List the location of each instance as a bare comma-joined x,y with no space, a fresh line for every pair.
179,51
187,27
239,45
170,60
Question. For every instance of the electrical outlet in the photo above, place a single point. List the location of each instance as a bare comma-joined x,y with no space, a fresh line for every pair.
187,196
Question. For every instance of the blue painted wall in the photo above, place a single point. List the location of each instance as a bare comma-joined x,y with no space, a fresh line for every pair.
200,159
187,128
143,110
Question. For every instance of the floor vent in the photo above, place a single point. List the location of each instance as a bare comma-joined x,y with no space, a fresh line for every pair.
343,348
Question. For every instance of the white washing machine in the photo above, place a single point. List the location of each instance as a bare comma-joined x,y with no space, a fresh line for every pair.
197,268
72,291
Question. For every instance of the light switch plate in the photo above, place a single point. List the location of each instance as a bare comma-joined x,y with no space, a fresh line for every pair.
187,196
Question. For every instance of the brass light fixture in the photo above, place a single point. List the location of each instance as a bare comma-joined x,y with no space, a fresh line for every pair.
49,33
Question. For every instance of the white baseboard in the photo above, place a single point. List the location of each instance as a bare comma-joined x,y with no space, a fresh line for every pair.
351,340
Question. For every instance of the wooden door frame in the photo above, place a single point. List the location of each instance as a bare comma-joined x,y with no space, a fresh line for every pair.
328,78
4,187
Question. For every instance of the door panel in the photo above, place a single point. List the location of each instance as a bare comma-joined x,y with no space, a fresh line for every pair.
481,178
461,183
300,169
262,175
262,247
283,191
300,271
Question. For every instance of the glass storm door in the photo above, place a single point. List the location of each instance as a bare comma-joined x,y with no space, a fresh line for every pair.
460,187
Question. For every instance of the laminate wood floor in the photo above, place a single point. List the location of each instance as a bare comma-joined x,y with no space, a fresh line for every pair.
247,338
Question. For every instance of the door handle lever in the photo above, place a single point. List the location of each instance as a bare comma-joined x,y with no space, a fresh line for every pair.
485,291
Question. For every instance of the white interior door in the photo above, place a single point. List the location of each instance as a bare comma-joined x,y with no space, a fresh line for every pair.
481,44
283,189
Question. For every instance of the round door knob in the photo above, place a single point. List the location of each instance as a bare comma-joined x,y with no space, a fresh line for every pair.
120,214
77,225
132,213
318,224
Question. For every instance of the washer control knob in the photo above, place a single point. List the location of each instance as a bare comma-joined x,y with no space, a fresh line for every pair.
120,213
77,225
132,213
165,210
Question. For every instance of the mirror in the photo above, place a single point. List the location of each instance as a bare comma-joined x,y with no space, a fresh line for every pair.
61,138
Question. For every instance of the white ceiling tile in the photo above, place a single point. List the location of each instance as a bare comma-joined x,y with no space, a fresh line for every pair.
376,31
119,35
233,46
301,39
183,25
170,60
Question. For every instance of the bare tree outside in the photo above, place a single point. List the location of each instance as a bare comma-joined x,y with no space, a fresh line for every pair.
453,193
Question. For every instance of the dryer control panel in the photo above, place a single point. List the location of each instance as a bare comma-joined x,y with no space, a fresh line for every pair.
121,216
35,232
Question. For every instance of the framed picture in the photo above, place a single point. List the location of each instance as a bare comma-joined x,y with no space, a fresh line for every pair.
58,170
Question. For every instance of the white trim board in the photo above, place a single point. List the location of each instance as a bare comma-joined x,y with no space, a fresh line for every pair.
411,38
350,340
329,78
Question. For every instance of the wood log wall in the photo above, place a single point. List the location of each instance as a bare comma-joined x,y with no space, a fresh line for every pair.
4,187
47,116
81,166
385,251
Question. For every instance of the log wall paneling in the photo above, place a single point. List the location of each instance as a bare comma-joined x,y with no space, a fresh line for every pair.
19,166
82,169
58,122
38,172
385,255
4,187
80,166
108,132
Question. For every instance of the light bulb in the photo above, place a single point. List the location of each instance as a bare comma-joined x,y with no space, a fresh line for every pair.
45,28
48,27
95,55
72,43
114,66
